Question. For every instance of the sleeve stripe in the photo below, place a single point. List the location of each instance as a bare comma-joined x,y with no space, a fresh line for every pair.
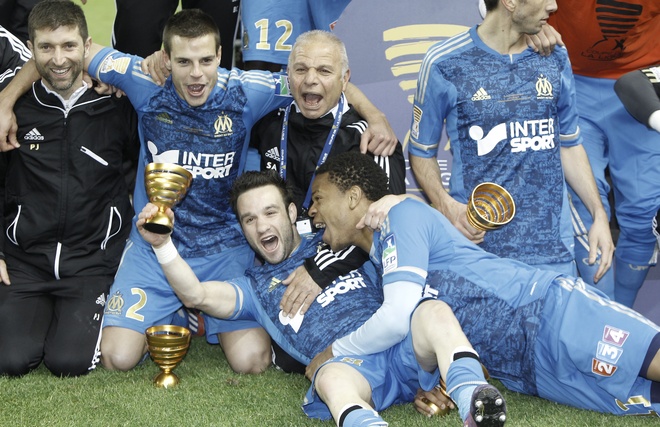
360,126
570,137
326,257
384,163
434,54
260,78
16,45
10,73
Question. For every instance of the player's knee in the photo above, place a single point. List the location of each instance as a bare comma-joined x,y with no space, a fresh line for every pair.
122,349
248,351
116,358
249,360
14,365
119,361
68,365
325,378
328,378
434,312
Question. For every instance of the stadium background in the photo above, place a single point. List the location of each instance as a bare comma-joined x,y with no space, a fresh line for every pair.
386,41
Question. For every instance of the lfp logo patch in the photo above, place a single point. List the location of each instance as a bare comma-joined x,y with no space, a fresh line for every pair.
389,257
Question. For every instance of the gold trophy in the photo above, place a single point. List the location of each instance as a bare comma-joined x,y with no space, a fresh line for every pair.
490,206
167,345
166,184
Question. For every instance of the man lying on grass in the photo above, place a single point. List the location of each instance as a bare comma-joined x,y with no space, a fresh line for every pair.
539,332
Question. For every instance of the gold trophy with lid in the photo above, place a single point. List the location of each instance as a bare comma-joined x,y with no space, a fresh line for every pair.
166,184
167,344
490,206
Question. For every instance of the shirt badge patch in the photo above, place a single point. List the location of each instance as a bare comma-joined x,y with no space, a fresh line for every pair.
417,117
543,88
282,86
608,353
601,368
119,65
389,256
223,125
615,336
115,304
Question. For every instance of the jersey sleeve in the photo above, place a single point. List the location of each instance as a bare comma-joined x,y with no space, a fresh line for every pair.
245,307
13,54
265,92
569,132
406,241
433,100
123,71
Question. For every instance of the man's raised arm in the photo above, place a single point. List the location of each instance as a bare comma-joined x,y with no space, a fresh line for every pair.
379,138
217,299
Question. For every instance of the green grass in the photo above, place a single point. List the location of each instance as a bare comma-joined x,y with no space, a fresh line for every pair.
100,15
210,394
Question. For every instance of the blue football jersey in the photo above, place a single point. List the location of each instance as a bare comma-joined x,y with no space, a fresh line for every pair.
506,117
496,300
210,141
338,310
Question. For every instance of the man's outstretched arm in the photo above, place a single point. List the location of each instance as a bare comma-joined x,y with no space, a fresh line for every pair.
217,299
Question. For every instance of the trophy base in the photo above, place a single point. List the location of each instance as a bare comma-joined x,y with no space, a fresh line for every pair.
166,380
438,412
159,224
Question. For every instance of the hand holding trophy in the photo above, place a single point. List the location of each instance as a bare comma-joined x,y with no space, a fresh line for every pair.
167,344
490,206
166,185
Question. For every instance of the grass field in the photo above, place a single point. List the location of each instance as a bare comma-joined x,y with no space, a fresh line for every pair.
100,15
210,394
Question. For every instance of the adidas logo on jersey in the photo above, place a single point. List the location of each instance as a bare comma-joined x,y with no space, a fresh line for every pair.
33,135
273,153
480,95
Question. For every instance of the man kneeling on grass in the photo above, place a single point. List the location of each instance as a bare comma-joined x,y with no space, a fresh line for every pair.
267,216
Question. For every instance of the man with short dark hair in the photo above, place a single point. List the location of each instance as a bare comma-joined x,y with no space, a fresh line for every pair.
64,204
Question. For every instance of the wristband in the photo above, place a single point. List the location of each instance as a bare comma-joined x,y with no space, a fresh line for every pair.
654,120
166,253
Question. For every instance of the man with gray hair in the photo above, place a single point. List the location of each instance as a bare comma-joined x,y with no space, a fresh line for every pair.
295,140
